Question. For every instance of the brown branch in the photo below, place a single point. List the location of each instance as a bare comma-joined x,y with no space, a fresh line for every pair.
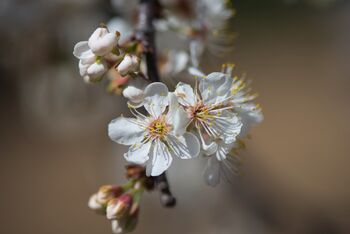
145,33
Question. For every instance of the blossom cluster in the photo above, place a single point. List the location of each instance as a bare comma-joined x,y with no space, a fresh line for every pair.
201,116
210,119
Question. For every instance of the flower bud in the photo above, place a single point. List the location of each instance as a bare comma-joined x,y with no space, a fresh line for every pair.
119,207
127,223
108,192
94,204
102,42
84,53
96,71
134,91
130,63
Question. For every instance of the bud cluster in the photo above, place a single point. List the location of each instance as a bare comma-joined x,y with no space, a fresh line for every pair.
120,203
101,53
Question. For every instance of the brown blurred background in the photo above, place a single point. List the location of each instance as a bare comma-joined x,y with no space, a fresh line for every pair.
54,150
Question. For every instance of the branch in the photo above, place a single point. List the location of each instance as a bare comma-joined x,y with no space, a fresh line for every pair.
145,33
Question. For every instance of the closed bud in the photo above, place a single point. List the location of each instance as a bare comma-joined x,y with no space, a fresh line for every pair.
119,207
96,71
130,63
94,204
102,42
108,192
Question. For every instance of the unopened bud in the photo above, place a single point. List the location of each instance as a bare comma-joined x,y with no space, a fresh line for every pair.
134,90
130,63
94,204
119,207
108,192
102,42
96,71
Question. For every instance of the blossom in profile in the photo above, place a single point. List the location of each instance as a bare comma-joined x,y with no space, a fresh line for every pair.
156,138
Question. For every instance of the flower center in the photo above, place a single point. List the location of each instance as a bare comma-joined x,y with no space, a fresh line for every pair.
159,128
200,112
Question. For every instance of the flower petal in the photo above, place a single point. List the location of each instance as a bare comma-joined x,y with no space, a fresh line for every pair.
212,172
184,147
185,94
156,98
138,153
177,116
227,127
83,52
161,159
125,131
215,87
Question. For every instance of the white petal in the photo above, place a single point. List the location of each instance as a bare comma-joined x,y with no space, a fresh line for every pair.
83,52
227,127
138,153
156,98
184,147
122,26
93,204
196,51
177,116
118,226
161,159
125,131
134,90
130,63
102,42
83,68
215,87
185,94
195,72
212,172
97,70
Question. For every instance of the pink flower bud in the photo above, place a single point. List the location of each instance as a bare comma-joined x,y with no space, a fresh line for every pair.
108,192
130,63
119,207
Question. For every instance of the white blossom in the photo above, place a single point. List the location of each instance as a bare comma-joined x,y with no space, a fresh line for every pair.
210,110
156,138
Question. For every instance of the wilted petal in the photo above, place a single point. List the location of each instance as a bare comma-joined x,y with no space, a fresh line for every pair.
156,98
160,161
125,131
138,153
184,147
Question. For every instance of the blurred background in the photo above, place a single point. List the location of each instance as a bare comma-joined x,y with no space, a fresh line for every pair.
55,152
